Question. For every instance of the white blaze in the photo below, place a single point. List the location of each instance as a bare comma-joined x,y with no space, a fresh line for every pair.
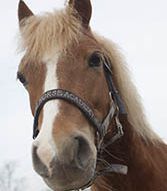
45,143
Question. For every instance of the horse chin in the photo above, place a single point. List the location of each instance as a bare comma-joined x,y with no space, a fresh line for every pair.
65,181
66,187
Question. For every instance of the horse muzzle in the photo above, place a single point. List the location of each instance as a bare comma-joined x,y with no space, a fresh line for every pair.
71,169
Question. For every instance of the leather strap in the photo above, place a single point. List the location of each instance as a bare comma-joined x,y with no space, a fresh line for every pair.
113,90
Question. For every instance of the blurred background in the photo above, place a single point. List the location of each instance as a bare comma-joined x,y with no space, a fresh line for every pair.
138,27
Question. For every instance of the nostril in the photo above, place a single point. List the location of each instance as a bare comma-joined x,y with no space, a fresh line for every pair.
39,167
82,152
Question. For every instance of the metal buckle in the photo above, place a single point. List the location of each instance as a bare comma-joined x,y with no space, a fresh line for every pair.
119,127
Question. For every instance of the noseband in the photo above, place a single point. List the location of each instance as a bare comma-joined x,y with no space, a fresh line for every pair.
101,127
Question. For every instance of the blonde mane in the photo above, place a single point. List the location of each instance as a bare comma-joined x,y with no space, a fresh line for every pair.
128,92
41,34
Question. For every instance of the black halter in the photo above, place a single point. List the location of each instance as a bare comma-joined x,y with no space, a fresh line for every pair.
101,127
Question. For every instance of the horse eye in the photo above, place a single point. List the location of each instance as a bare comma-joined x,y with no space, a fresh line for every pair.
95,60
21,78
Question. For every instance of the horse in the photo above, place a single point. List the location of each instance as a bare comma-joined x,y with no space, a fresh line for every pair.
90,129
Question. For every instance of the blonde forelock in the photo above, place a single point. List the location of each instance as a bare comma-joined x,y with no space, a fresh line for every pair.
52,32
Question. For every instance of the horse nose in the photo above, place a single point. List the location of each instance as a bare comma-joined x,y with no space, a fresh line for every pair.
83,152
39,166
75,154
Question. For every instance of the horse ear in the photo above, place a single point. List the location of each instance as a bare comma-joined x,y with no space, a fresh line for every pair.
84,9
23,11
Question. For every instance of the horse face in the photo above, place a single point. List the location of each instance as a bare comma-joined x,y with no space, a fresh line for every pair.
64,152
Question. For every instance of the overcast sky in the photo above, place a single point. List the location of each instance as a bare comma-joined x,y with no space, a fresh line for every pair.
138,27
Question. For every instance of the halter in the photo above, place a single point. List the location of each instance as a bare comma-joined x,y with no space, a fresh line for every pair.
101,127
